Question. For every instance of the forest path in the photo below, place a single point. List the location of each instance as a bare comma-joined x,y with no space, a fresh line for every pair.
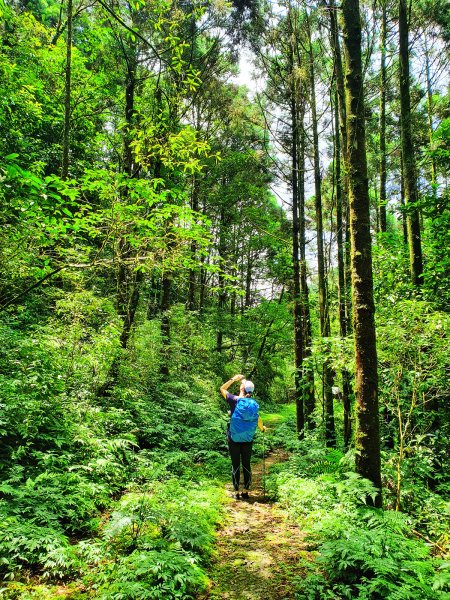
257,549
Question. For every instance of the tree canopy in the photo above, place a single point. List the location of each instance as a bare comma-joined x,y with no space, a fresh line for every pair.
164,227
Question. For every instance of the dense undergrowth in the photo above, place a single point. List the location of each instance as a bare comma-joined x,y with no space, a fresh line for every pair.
117,496
360,552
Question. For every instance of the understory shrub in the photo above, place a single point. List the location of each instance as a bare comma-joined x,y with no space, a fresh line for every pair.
362,553
37,549
63,501
157,543
154,575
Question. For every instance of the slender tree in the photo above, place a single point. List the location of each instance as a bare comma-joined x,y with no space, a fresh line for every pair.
67,93
342,305
298,329
430,109
193,273
408,154
341,186
340,87
306,367
327,371
222,293
383,84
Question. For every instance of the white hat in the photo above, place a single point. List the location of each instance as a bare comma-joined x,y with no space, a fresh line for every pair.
248,385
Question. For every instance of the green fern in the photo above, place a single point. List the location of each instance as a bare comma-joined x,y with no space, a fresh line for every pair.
164,575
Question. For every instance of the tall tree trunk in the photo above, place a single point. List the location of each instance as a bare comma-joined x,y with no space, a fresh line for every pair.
222,292
248,280
409,162
382,203
192,271
340,87
165,323
298,324
430,112
307,368
342,213
298,330
338,71
327,372
203,275
368,434
402,200
67,94
128,280
322,287
346,380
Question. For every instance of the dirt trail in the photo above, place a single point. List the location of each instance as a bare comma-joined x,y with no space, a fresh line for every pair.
257,549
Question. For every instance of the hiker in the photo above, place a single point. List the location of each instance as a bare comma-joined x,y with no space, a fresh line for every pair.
240,431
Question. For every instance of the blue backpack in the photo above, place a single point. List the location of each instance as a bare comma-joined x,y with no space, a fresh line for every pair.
244,420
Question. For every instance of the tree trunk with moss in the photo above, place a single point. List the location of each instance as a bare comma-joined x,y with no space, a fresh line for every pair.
341,185
409,162
368,434
342,305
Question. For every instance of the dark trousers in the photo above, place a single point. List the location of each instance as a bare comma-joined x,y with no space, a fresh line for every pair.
240,452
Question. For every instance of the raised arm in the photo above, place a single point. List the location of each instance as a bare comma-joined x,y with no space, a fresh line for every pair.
225,386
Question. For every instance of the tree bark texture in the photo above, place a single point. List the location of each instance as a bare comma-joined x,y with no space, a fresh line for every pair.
248,279
340,89
221,300
192,272
342,304
327,372
383,199
307,368
368,434
402,201
409,163
298,330
128,280
433,170
165,323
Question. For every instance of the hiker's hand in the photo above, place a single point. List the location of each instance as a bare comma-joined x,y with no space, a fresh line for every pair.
264,428
237,378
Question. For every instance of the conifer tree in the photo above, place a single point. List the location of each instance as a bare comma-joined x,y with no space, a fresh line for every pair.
408,153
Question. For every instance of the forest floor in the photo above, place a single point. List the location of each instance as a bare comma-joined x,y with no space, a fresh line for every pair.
257,550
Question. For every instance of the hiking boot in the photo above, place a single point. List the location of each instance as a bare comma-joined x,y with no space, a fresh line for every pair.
244,496
237,495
